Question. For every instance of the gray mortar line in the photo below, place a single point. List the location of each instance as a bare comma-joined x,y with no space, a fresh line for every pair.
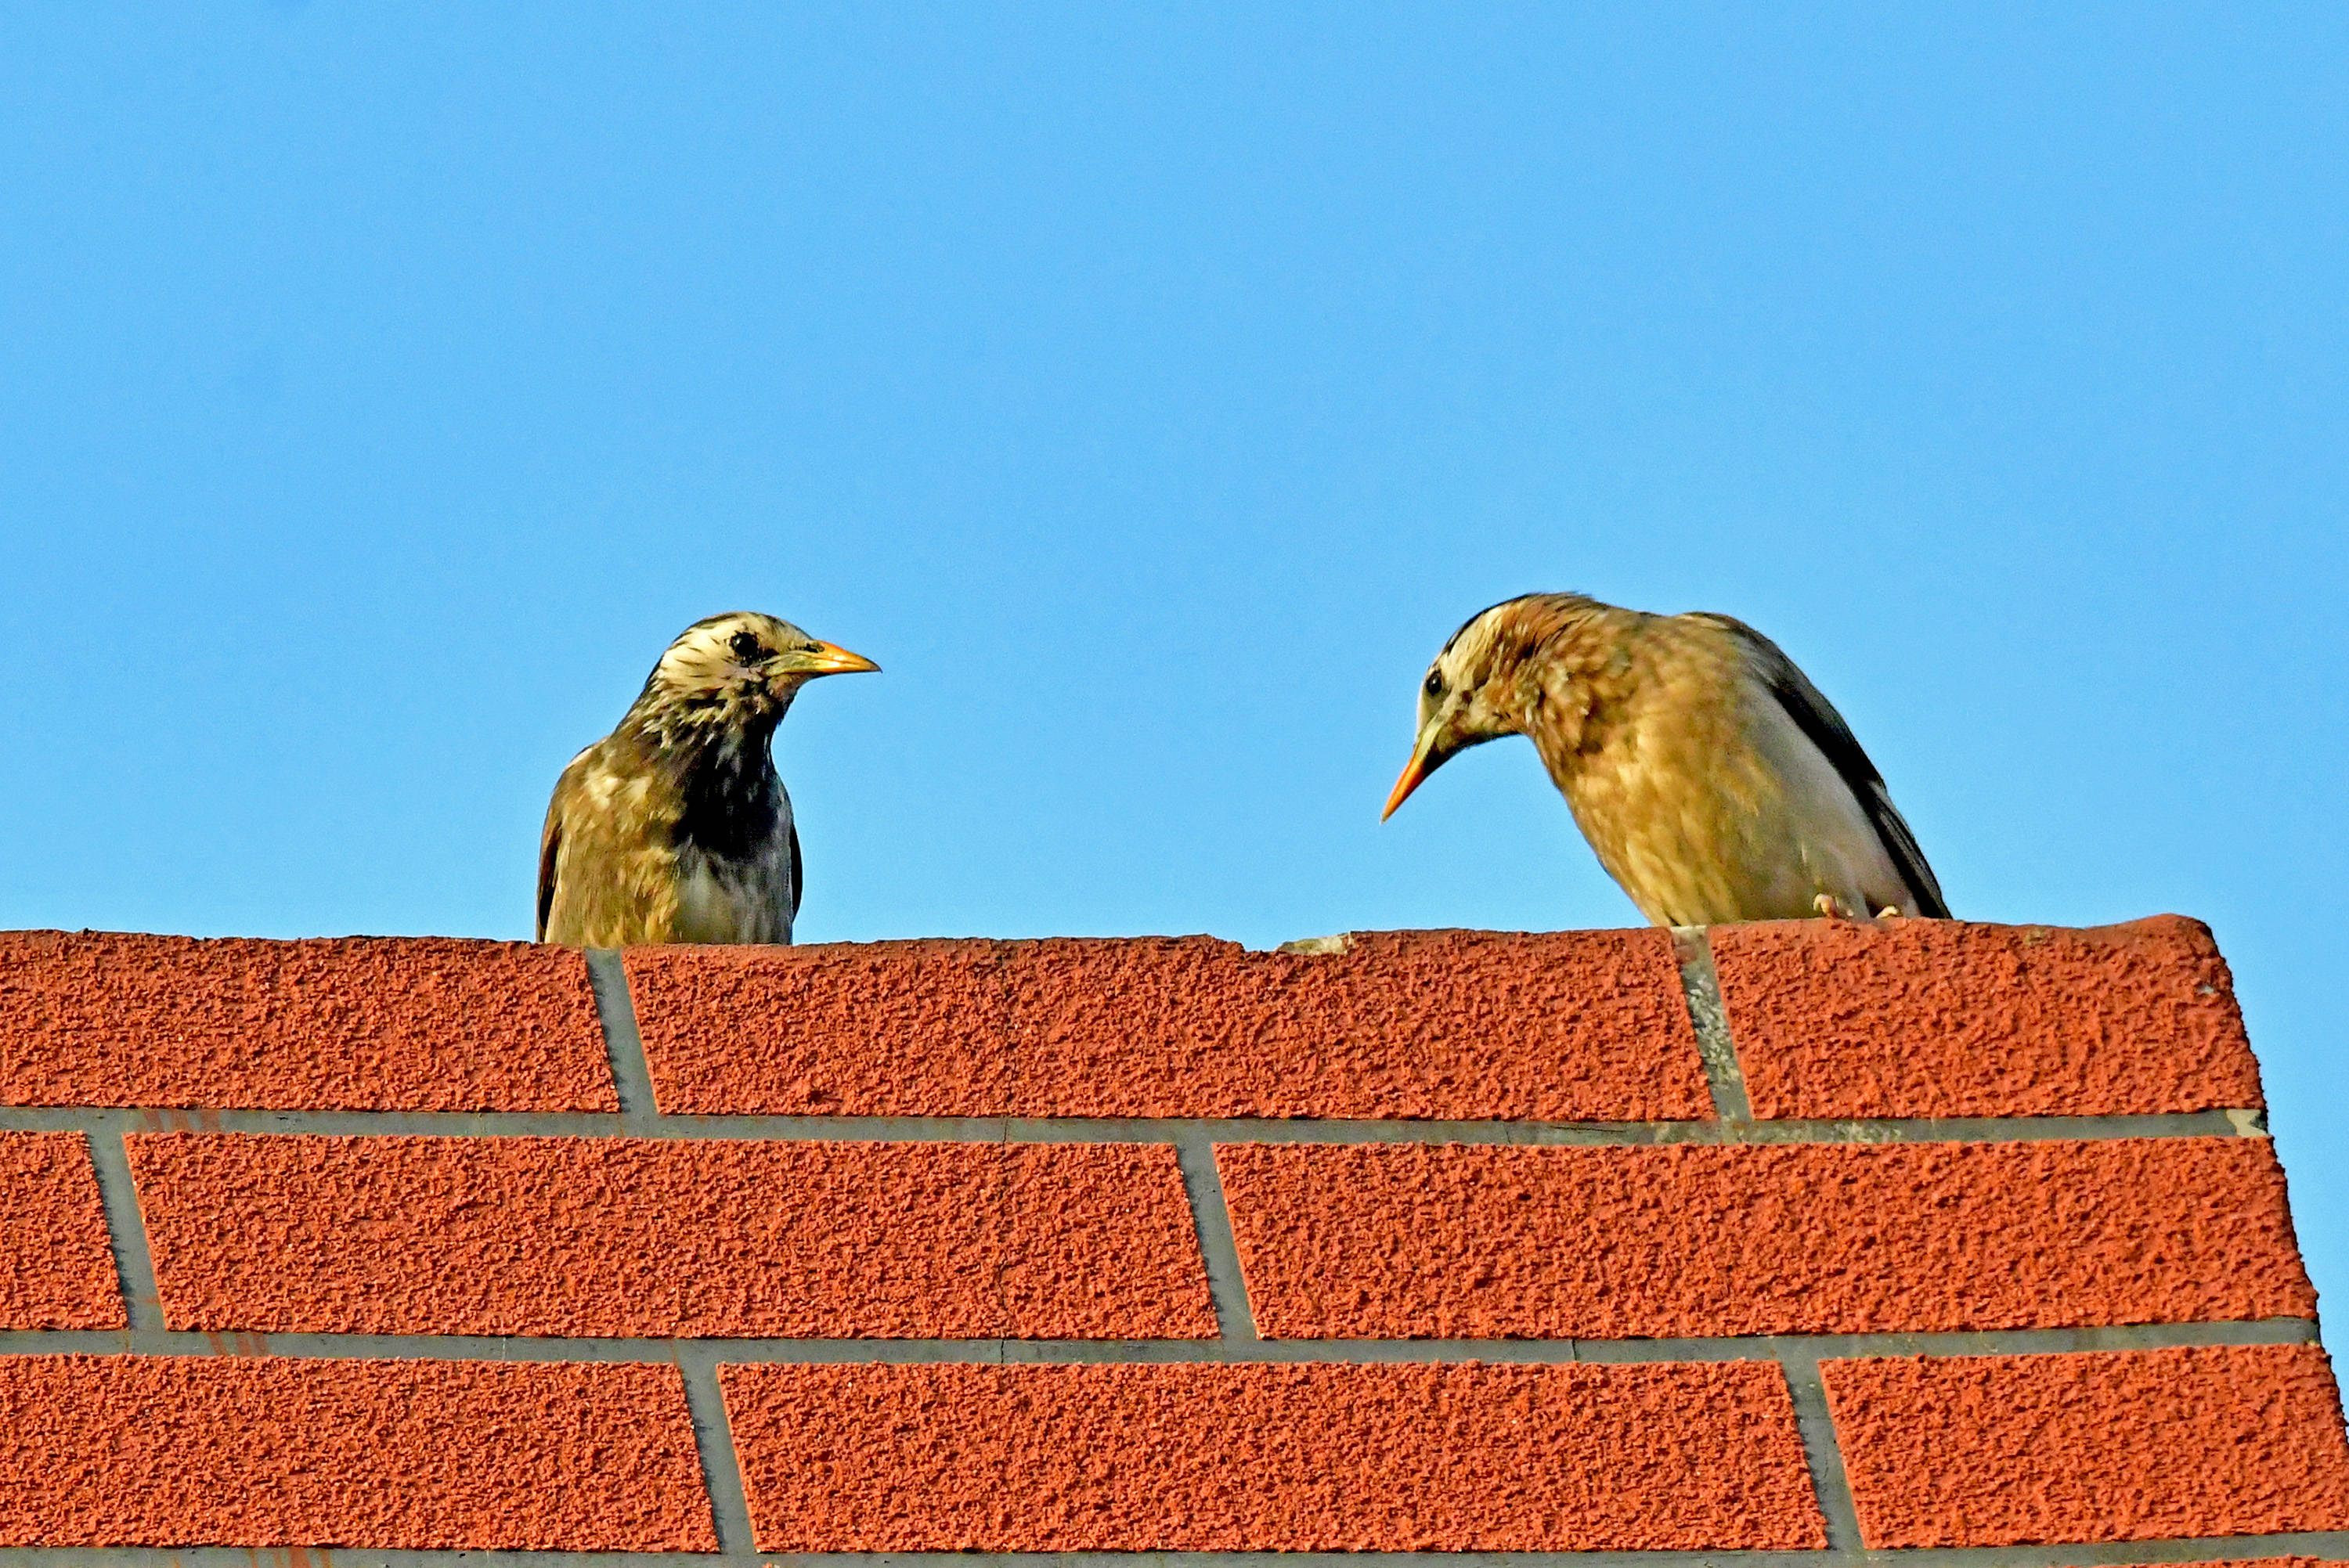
2312,1543
624,1044
1700,984
114,1121
1233,1350
1211,1218
126,1232
1829,1484
1006,1029
721,1473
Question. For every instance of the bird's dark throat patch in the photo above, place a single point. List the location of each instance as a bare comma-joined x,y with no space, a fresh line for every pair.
731,798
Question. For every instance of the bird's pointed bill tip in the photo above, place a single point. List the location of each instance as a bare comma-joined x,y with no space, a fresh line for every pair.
1413,771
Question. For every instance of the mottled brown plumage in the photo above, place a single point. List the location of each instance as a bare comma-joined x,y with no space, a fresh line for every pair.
1712,779
675,826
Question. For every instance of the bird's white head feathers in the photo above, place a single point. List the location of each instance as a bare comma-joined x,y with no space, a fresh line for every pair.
1479,688
736,671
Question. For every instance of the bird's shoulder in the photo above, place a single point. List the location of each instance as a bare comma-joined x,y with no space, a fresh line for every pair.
609,840
1791,691
618,783
1668,674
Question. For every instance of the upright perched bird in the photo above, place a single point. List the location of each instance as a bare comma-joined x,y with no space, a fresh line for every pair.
675,826
1713,780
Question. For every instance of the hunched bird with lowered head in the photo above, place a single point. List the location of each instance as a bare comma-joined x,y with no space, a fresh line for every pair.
1712,778
675,826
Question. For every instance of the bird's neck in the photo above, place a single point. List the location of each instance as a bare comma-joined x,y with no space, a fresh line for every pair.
729,799
1571,703
1556,722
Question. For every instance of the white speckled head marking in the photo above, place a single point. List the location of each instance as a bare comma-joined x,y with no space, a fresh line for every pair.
736,671
1471,692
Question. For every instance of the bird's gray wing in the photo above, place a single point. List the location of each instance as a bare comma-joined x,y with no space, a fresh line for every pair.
549,843
796,881
1817,719
550,838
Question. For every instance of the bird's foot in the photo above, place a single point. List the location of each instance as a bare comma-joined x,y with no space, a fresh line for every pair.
1832,908
1887,913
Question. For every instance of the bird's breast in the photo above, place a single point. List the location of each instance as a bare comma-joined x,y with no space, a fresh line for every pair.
732,899
1706,814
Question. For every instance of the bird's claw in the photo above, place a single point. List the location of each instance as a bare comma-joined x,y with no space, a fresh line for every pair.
1833,908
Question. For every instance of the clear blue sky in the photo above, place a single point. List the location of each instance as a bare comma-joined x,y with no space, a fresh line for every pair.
1151,390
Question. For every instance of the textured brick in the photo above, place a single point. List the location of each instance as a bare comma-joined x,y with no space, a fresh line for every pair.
1202,1458
868,1029
1576,1025
117,1450
2002,1450
55,1268
354,1023
1579,1026
1435,1241
692,1239
1933,1017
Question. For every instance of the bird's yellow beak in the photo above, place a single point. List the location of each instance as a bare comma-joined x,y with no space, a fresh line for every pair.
1423,762
829,659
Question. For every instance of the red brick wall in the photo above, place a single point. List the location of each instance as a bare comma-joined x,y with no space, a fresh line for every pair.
1808,1239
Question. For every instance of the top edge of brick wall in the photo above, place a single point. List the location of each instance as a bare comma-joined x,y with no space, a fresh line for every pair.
1581,1026
1903,1019
378,1023
1933,1018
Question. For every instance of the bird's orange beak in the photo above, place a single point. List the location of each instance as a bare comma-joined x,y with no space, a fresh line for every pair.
1415,773
830,659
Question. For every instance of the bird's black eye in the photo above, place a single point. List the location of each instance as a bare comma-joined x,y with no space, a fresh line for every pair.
745,648
1433,684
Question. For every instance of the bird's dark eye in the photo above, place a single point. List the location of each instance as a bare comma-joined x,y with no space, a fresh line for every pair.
1433,685
747,648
